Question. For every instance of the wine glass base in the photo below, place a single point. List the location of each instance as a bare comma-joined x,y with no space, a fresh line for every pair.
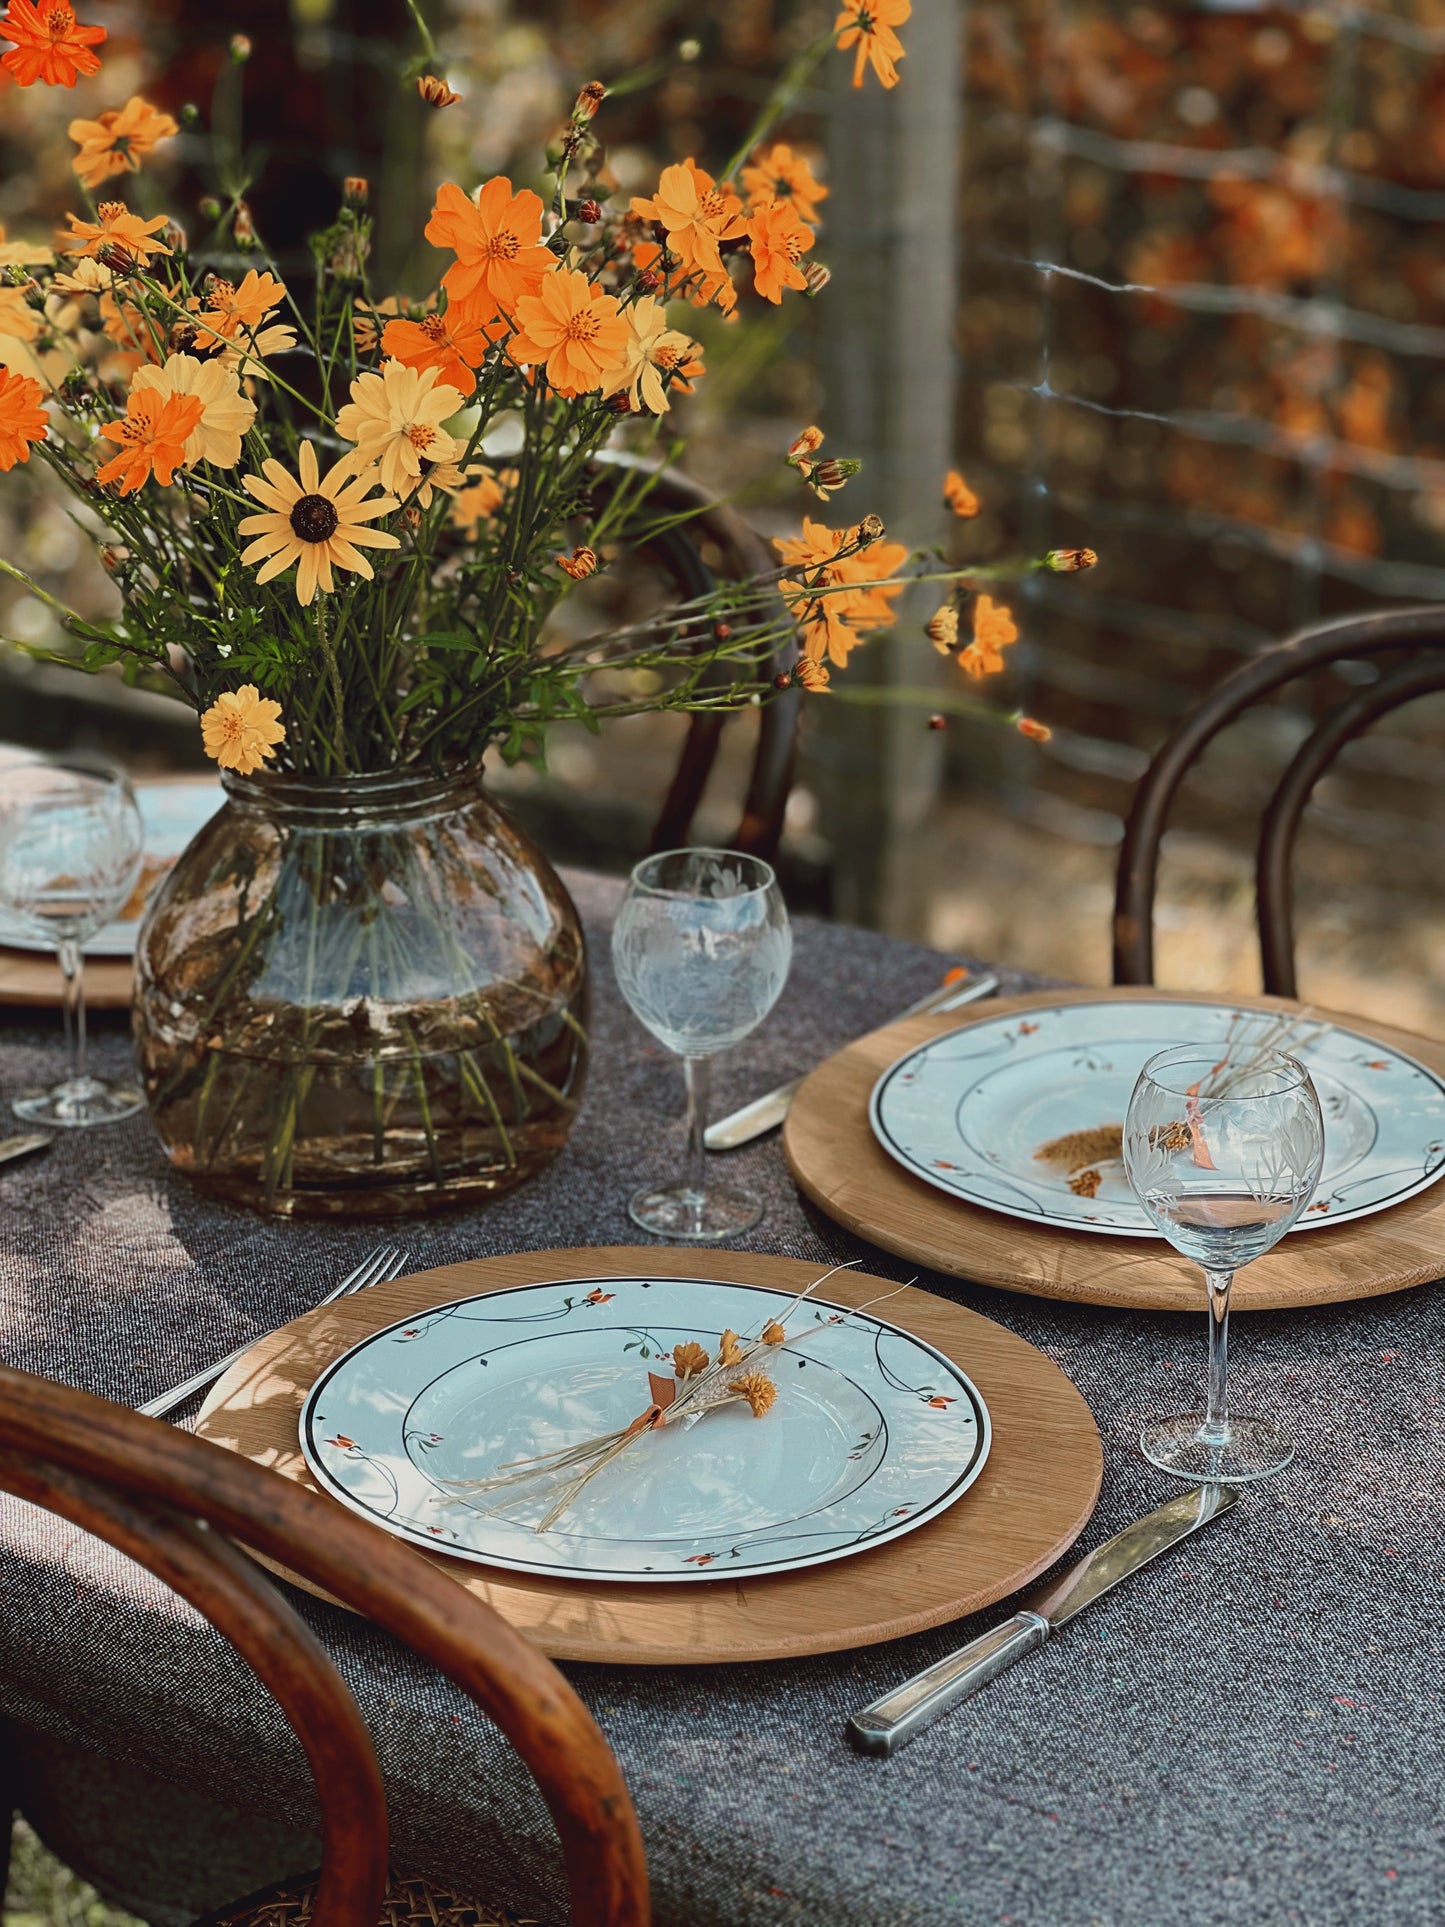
78,1102
706,1217
1246,1448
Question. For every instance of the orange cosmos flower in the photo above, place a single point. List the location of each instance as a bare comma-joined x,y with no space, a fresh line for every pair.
698,215
152,438
782,175
49,44
497,242
117,229
227,311
454,343
993,630
778,239
478,502
242,728
871,23
22,419
119,140
959,496
835,623
572,329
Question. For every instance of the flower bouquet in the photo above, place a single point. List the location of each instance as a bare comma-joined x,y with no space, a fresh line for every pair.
338,521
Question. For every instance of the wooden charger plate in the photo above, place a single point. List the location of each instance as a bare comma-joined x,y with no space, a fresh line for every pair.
844,1170
32,978
1030,1502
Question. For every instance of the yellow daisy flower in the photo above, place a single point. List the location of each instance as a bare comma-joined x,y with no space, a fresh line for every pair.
314,522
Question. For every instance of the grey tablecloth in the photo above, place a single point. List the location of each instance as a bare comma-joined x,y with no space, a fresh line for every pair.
1251,1733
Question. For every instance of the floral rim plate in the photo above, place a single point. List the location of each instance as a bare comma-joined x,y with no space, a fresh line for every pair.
968,1112
873,1432
172,814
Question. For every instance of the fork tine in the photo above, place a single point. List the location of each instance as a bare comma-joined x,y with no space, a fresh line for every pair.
386,1262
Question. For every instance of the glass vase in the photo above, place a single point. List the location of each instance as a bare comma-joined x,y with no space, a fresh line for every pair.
361,997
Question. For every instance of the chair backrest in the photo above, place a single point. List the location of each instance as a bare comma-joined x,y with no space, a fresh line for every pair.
681,550
167,1498
1418,630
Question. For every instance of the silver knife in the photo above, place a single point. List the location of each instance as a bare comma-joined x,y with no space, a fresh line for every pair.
21,1147
891,1722
766,1113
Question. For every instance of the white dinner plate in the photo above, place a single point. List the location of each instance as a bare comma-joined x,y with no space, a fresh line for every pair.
968,1111
872,1433
172,813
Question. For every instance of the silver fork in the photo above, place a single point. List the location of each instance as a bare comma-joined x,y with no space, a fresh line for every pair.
383,1263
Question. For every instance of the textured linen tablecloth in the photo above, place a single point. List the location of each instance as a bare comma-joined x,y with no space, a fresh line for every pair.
1251,1732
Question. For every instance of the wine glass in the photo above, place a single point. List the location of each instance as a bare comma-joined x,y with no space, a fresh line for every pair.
701,948
70,853
1223,1145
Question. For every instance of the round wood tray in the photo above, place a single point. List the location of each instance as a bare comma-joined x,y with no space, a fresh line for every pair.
842,1168
1030,1502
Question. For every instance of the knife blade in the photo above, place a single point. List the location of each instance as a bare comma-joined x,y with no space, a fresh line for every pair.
767,1112
892,1721
21,1147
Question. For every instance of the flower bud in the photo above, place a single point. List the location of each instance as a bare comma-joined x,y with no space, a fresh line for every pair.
435,92
355,190
117,258
590,211
589,100
243,228
240,48
942,629
810,675
689,50
817,275
209,208
722,632
938,722
806,444
1070,561
869,530
1036,732
411,515
648,281
190,115
176,238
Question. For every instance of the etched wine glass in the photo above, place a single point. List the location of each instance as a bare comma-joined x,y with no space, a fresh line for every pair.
70,854
1223,1145
701,948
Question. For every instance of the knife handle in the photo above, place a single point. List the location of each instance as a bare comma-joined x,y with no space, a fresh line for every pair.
891,1722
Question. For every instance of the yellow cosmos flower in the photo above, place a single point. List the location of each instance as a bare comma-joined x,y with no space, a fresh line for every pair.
651,350
395,418
314,522
226,414
242,728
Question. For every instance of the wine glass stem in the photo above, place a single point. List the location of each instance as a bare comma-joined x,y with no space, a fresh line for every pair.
1216,1410
72,971
698,1071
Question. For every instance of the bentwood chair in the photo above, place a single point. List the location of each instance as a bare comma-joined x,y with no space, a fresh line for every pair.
713,542
175,1503
1418,634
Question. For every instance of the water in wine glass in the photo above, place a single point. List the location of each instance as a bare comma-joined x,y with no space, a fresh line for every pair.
70,851
1221,1230
701,948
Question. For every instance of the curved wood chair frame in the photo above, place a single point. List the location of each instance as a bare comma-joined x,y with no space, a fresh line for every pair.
678,549
1314,648
167,1498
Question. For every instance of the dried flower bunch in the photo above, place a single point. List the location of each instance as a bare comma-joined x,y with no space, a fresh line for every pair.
701,1383
304,505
